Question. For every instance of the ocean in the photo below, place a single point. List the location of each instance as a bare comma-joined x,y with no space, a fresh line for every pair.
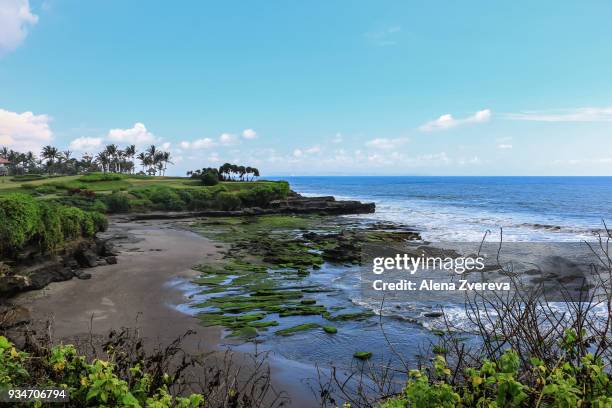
462,208
544,212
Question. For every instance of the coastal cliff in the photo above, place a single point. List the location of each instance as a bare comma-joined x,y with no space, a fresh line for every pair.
294,204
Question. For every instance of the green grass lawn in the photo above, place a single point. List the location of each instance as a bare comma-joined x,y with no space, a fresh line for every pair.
126,183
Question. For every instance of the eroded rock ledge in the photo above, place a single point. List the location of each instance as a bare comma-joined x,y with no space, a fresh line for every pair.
32,269
294,204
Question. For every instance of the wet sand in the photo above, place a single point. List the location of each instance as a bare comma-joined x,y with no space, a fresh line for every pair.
134,292
138,292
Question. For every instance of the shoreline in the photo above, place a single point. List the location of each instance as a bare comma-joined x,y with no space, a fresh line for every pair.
140,292
132,292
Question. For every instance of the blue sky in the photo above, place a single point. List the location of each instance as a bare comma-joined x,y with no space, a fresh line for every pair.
316,87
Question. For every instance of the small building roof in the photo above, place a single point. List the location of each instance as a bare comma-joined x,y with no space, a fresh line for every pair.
4,161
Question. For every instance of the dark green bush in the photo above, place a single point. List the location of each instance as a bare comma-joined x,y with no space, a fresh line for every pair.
95,177
45,189
165,198
98,206
100,221
261,195
19,220
140,204
27,177
50,229
82,202
88,227
219,188
47,224
227,201
117,202
200,200
72,219
210,179
162,198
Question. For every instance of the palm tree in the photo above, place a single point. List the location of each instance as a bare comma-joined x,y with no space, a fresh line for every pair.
166,159
224,170
49,153
111,153
157,162
103,160
30,161
153,155
130,152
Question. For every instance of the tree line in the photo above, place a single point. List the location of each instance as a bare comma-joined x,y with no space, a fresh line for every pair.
225,172
111,159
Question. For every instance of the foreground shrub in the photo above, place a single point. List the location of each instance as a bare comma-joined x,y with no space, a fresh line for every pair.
95,383
504,383
120,370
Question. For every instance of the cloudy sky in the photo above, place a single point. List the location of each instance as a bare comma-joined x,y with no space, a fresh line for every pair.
316,87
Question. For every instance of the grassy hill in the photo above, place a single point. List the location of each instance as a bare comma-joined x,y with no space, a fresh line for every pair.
38,210
112,182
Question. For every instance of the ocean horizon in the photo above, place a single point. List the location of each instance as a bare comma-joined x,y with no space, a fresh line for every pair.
463,208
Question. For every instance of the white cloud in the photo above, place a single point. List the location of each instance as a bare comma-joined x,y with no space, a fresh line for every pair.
504,146
337,138
204,143
82,144
447,121
385,143
15,19
227,139
24,131
589,114
305,152
313,150
166,146
249,134
138,135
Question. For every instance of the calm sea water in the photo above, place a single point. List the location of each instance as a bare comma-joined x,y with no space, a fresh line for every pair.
463,208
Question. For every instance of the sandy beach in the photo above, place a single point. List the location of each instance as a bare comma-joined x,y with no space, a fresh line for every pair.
132,293
138,292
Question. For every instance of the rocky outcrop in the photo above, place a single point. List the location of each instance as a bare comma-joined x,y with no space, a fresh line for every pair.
320,205
294,204
32,269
